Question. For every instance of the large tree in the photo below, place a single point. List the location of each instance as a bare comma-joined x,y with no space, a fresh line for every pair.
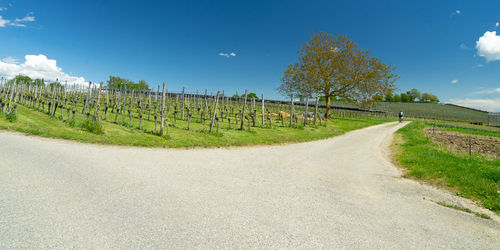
335,67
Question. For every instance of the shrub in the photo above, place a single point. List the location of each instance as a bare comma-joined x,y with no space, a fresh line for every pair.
11,117
92,127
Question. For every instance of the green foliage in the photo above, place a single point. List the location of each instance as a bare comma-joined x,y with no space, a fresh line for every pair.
116,82
428,97
11,117
414,94
22,78
92,127
411,96
335,66
251,95
405,97
476,178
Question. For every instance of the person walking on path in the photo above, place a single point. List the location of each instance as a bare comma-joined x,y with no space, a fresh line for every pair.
401,116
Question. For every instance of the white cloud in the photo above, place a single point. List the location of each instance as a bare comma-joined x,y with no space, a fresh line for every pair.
491,105
3,22
38,66
10,60
454,81
227,54
456,12
488,46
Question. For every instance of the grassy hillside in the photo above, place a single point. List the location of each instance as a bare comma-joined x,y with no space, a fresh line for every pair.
39,123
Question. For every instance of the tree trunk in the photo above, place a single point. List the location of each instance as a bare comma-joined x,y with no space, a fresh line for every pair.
327,113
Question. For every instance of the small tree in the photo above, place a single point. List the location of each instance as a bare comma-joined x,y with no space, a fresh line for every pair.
251,95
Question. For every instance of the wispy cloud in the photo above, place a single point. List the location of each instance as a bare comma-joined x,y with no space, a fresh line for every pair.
464,46
454,81
18,22
227,54
28,18
488,91
491,105
10,60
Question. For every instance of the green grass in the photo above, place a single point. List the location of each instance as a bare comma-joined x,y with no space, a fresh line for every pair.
477,178
484,216
30,121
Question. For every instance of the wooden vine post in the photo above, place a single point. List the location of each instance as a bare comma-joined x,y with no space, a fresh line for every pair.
263,121
182,104
162,119
214,112
124,104
291,110
305,111
316,109
86,102
243,111
98,102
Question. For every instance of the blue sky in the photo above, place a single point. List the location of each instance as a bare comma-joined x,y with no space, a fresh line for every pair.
432,43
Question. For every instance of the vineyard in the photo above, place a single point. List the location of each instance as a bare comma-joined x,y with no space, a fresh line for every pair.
95,108
159,116
431,111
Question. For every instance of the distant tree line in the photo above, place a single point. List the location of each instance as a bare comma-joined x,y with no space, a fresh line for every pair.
413,95
116,82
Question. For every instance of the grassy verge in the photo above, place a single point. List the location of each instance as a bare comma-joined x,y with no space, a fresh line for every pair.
30,121
477,178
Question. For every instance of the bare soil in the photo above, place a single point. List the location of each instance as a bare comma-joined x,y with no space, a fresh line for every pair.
458,142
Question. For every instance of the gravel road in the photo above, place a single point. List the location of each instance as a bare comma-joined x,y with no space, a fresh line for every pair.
336,193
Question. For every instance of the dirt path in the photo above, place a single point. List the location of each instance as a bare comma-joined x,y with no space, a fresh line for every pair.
336,193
